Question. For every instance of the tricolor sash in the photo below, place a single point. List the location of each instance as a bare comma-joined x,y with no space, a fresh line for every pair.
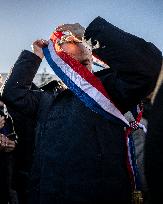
81,81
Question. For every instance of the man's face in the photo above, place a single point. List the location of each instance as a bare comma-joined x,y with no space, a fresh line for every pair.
79,52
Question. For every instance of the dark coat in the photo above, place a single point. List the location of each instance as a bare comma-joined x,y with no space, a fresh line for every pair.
154,151
6,174
23,154
134,62
80,157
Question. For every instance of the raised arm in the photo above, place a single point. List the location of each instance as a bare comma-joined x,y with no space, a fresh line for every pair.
17,92
134,63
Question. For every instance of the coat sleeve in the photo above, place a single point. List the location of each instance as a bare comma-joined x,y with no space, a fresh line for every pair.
16,92
134,63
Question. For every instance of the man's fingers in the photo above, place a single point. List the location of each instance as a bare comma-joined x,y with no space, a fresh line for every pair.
2,118
75,29
70,27
11,144
2,123
37,47
3,141
40,43
6,144
67,28
45,42
64,27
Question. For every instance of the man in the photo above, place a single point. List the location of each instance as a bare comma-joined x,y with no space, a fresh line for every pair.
80,157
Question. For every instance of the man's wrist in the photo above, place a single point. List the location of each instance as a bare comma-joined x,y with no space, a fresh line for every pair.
40,55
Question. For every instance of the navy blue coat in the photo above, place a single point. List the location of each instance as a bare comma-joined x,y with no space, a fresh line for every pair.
80,157
154,150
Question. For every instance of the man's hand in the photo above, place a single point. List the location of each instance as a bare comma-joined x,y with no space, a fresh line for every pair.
3,141
75,29
37,47
2,121
6,144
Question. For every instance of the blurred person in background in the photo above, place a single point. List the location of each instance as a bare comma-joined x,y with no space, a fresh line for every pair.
154,146
7,146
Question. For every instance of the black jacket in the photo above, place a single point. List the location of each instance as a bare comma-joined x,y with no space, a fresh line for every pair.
154,150
23,155
135,63
80,157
